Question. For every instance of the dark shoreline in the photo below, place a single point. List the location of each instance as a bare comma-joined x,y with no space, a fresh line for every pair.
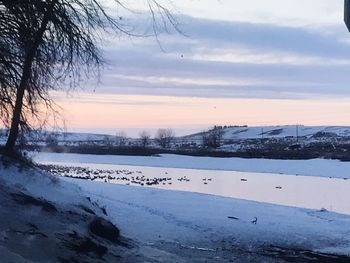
312,151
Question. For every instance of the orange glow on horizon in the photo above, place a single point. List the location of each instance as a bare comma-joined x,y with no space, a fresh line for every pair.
96,111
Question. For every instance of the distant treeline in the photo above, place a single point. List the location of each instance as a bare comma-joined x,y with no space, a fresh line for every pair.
269,151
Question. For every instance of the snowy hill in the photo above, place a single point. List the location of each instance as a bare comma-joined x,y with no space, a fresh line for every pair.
286,131
229,133
71,136
38,136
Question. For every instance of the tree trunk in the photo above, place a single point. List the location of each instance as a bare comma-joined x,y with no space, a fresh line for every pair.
27,68
16,117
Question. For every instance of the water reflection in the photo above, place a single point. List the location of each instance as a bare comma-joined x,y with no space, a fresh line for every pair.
291,190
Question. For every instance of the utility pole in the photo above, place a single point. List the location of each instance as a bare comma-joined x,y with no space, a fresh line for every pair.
262,134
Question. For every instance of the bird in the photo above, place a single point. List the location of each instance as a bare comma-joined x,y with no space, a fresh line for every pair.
255,221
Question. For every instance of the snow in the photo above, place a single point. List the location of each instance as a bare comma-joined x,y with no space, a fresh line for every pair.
161,225
43,216
282,131
156,217
40,184
230,133
314,167
298,191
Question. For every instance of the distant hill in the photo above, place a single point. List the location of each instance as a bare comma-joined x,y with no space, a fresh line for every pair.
285,131
229,133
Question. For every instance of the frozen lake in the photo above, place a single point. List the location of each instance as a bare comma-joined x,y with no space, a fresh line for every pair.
290,190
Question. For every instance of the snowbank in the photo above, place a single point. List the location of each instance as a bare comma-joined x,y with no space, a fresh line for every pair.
165,219
46,219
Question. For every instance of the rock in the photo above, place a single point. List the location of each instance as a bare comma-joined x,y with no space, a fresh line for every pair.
105,229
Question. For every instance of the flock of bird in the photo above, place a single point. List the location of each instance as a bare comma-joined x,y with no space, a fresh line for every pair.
120,176
115,176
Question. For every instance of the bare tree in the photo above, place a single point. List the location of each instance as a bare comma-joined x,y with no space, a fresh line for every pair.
164,137
145,138
51,140
212,138
8,70
107,141
52,44
121,139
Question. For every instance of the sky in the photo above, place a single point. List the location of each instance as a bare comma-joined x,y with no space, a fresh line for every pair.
237,62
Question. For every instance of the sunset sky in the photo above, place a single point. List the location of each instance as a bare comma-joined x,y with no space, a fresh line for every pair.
239,62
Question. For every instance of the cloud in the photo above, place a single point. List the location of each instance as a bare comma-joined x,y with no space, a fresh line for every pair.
310,13
232,59
269,37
